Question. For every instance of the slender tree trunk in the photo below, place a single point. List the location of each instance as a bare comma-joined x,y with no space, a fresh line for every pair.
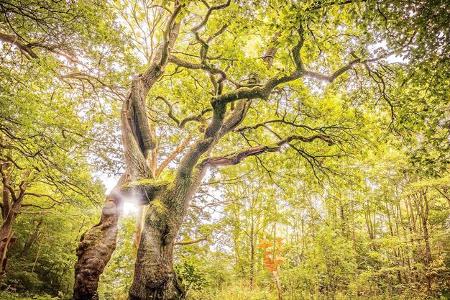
276,279
32,238
252,252
426,237
4,246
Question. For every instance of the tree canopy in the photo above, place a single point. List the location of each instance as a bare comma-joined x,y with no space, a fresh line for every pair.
259,149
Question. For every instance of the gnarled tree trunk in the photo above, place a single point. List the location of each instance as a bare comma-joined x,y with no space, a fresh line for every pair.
99,242
10,208
6,235
154,276
95,250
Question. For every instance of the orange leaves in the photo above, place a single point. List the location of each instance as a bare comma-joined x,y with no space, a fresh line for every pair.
272,258
264,245
272,264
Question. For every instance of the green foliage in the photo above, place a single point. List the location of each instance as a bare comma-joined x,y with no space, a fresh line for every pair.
191,277
363,213
329,266
117,278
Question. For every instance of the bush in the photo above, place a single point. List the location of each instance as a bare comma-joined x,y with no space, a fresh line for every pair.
24,281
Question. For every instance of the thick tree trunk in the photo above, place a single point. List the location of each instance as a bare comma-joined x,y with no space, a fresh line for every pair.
154,276
98,243
95,249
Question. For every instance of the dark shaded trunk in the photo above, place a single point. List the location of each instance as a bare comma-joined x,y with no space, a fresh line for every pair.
6,233
94,251
5,240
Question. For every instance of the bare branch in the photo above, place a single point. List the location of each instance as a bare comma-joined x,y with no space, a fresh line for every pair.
173,155
282,121
38,206
43,196
182,123
15,40
185,243
237,157
336,74
194,66
208,14
197,118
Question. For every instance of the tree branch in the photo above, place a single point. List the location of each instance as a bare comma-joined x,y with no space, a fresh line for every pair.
282,121
26,49
208,14
193,66
182,123
185,243
336,74
5,181
43,195
236,117
237,157
173,155
137,136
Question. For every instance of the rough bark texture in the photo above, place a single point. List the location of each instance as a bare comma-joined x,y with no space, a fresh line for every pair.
99,242
154,276
11,205
94,251
6,235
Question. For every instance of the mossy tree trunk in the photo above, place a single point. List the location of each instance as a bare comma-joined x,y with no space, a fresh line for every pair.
94,251
98,243
6,234
154,276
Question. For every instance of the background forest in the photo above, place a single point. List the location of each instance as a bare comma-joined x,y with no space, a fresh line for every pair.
328,187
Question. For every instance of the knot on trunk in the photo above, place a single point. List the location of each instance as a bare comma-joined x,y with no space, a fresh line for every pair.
163,286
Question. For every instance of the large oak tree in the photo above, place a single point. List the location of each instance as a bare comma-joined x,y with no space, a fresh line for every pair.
219,61
212,83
